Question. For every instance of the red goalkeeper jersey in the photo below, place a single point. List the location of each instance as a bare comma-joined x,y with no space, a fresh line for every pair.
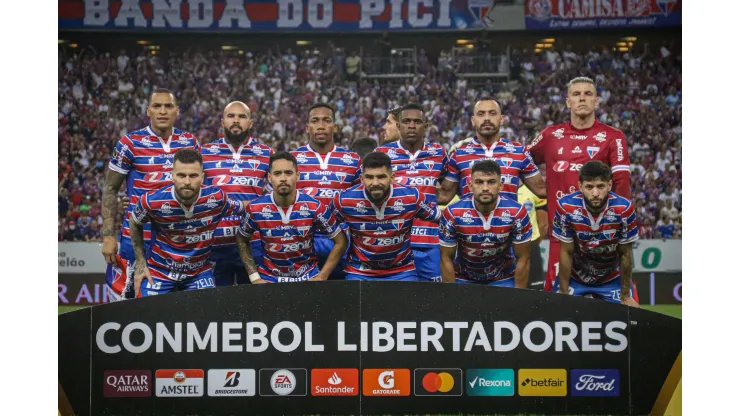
564,149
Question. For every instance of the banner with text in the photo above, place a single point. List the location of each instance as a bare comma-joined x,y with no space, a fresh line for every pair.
647,255
287,15
590,14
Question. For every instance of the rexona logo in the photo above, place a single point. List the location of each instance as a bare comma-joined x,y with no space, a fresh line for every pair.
239,382
335,382
283,382
127,383
386,382
594,383
490,382
437,382
543,382
179,383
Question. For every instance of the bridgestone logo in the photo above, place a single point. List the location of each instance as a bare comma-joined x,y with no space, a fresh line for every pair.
334,390
394,392
233,392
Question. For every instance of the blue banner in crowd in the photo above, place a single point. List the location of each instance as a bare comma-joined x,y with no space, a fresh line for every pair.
275,15
593,14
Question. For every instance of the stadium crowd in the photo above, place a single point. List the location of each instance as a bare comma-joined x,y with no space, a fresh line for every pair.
102,96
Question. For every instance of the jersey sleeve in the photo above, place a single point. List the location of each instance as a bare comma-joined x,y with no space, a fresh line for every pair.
247,225
336,204
445,165
561,227
447,231
427,210
628,230
196,145
142,211
123,156
233,207
453,172
537,148
326,222
522,227
620,164
530,168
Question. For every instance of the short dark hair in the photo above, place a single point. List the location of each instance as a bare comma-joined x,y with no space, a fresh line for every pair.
486,166
322,105
283,155
374,160
395,112
364,146
595,170
162,91
188,156
484,98
412,106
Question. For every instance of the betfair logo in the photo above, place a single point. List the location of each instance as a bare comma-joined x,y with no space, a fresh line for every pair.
543,382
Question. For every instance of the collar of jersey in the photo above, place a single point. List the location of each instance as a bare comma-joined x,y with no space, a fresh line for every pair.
165,144
284,215
486,221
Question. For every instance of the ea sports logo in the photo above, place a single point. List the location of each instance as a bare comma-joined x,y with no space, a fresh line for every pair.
283,382
560,166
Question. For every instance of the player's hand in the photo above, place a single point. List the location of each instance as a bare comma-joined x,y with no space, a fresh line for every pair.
124,203
563,291
319,277
260,282
110,248
629,301
141,272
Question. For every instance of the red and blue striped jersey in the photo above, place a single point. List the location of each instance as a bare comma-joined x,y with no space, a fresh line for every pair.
484,243
324,176
288,235
147,159
241,173
182,235
515,163
420,170
380,236
595,255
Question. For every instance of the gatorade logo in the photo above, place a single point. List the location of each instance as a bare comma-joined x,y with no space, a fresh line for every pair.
386,382
438,382
543,382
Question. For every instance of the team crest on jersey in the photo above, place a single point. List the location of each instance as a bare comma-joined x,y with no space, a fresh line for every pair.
304,230
429,164
361,207
254,163
397,206
347,159
559,133
592,150
392,154
467,217
398,224
609,234
212,202
600,137
341,176
206,221
146,142
267,212
166,209
235,169
301,158
506,161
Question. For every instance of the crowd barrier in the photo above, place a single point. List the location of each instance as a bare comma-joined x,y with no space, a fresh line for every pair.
367,348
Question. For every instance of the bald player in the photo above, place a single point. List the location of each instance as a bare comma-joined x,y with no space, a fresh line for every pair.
238,165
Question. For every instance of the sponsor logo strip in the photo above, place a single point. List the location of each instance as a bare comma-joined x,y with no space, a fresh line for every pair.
179,383
335,382
229,383
437,382
543,382
127,383
490,382
283,382
594,383
386,382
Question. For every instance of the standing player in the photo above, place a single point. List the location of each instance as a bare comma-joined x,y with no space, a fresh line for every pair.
238,165
480,231
515,163
143,159
596,229
565,148
537,211
419,164
391,132
184,217
325,169
288,221
380,214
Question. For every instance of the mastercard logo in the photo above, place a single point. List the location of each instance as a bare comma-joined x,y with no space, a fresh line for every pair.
438,382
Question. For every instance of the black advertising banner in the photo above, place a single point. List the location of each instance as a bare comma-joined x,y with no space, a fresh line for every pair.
367,348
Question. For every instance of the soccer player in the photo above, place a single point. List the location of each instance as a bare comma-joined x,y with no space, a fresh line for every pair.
596,229
391,132
238,165
565,148
364,146
288,222
515,163
184,217
537,211
419,164
143,159
380,214
487,233
325,170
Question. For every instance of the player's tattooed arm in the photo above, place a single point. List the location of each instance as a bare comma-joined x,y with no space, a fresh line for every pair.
113,182
245,253
566,266
446,191
625,269
536,184
142,270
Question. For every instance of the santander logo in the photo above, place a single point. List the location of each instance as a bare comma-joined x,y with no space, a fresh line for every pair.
334,379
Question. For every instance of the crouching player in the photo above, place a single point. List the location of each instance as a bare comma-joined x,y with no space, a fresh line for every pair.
596,228
184,217
488,234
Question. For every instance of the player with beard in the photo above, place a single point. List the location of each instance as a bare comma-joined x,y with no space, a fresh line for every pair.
325,170
391,131
288,222
564,148
379,214
596,229
515,163
144,160
184,217
485,237
419,164
238,165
